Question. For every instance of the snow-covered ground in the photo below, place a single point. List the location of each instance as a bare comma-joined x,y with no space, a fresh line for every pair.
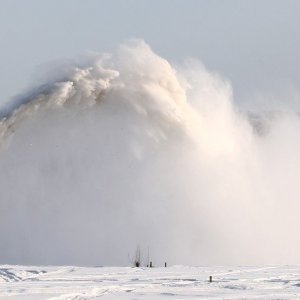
176,282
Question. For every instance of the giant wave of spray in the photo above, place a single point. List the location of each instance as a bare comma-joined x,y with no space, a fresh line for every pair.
128,150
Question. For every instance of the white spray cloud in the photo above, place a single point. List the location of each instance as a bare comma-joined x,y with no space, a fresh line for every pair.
128,150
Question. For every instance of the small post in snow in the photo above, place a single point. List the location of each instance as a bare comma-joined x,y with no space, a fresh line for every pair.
150,264
165,264
210,278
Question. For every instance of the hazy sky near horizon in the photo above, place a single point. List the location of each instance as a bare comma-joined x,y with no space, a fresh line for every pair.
255,44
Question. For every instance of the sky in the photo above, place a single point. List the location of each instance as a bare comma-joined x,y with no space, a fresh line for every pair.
110,141
254,44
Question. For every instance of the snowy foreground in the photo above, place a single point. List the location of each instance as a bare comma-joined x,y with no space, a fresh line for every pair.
177,282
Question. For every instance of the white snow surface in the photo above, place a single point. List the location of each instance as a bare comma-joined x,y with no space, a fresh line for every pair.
175,282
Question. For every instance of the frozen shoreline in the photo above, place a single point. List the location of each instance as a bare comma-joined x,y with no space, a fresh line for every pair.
177,282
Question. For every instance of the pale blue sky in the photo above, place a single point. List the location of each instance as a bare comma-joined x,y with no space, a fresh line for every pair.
256,44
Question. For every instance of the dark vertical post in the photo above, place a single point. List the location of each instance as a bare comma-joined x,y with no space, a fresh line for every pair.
210,278
148,257
150,264
165,264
